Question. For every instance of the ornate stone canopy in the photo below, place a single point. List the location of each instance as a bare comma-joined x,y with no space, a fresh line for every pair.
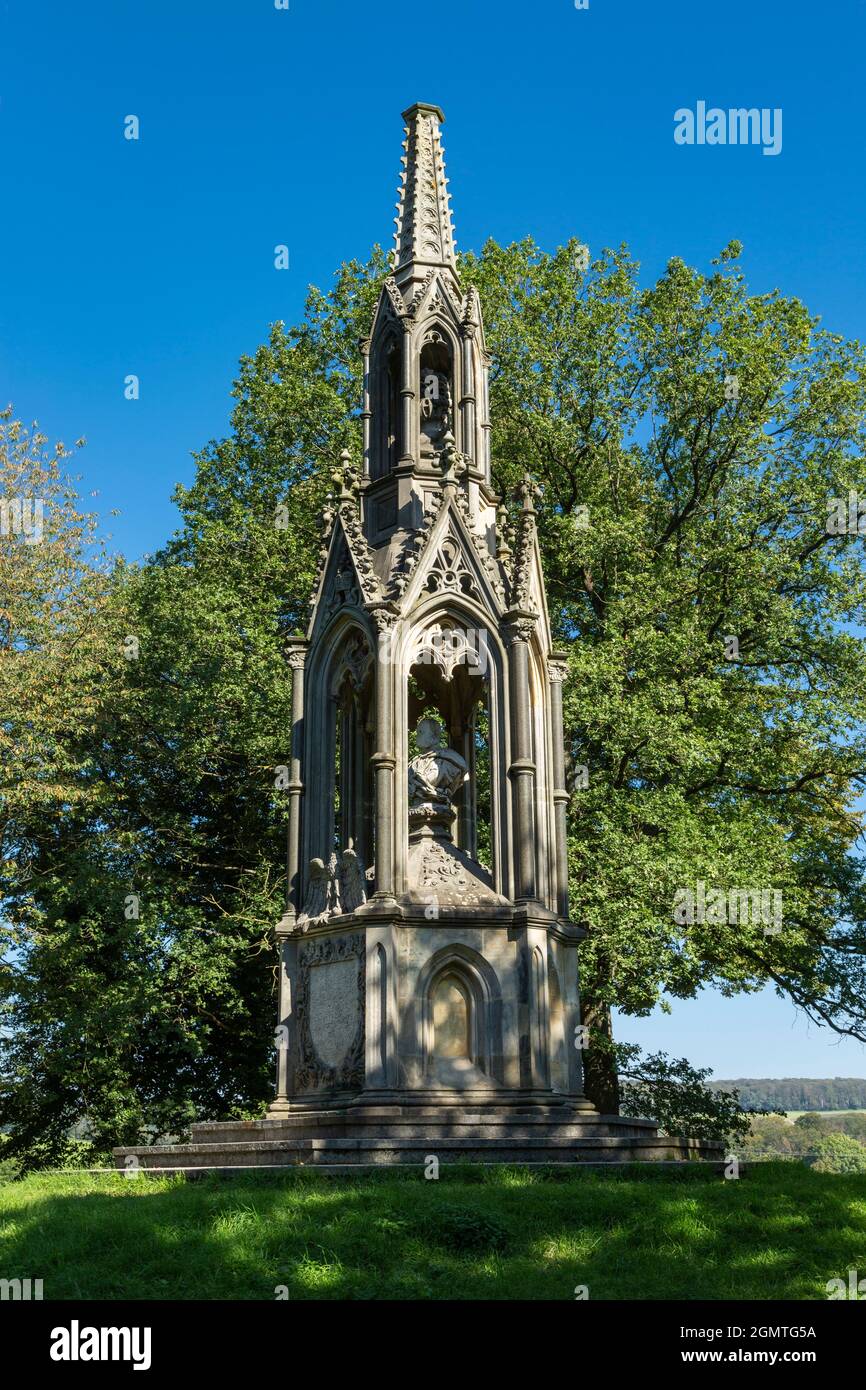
428,969
429,803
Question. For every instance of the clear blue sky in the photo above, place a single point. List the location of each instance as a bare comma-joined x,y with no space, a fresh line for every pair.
261,126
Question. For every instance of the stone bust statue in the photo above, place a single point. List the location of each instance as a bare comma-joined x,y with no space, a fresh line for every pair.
436,775
435,407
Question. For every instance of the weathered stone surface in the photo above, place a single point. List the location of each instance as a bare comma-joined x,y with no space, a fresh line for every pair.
334,1009
323,1140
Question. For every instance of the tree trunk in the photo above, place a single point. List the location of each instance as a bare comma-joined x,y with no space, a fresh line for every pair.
600,1081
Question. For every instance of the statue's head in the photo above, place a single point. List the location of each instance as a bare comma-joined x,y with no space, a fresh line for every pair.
429,734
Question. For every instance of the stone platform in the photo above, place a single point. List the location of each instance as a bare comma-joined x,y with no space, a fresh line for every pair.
351,1136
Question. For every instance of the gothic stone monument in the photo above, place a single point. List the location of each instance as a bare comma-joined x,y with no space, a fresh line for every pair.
429,970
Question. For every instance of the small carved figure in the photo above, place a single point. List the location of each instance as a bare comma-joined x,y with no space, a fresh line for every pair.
322,898
353,892
334,906
435,405
315,907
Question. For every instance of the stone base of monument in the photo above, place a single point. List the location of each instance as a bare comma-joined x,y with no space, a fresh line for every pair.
351,1135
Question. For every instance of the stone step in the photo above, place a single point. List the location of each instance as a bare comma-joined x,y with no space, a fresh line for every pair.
328,1153
426,1132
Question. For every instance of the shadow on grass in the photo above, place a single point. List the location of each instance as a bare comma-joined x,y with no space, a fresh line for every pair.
780,1231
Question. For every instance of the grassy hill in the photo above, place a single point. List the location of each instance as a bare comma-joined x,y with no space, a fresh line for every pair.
779,1231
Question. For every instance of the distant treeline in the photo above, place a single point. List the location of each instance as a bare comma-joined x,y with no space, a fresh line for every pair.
797,1093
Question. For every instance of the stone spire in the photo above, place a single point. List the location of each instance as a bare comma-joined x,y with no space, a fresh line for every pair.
425,237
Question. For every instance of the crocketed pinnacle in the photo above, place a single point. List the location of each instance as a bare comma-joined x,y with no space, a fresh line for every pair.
425,235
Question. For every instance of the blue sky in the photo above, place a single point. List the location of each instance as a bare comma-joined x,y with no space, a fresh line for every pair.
262,126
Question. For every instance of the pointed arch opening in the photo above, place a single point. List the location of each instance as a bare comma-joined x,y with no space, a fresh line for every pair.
451,1013
339,745
436,392
449,680
452,664
385,376
459,1010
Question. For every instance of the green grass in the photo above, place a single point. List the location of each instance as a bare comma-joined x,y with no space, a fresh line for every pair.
780,1231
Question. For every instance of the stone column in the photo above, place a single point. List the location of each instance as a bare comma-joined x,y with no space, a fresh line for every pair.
569,986
366,413
539,1008
297,656
383,759
557,670
407,397
484,461
294,889
533,1009
467,404
520,627
469,794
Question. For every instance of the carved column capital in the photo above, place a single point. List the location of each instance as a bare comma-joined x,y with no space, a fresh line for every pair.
296,652
557,668
519,628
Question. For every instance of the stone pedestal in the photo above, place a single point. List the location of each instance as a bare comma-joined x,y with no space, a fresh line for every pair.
410,1038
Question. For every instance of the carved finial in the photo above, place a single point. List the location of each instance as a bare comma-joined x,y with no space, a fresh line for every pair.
346,478
451,461
330,503
521,569
504,549
528,493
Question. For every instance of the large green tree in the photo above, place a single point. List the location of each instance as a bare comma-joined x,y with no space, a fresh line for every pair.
686,439
704,430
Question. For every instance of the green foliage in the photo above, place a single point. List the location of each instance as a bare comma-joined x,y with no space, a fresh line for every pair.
810,1124
839,1153
706,518
60,629
675,1095
8,1166
772,1136
855,1125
